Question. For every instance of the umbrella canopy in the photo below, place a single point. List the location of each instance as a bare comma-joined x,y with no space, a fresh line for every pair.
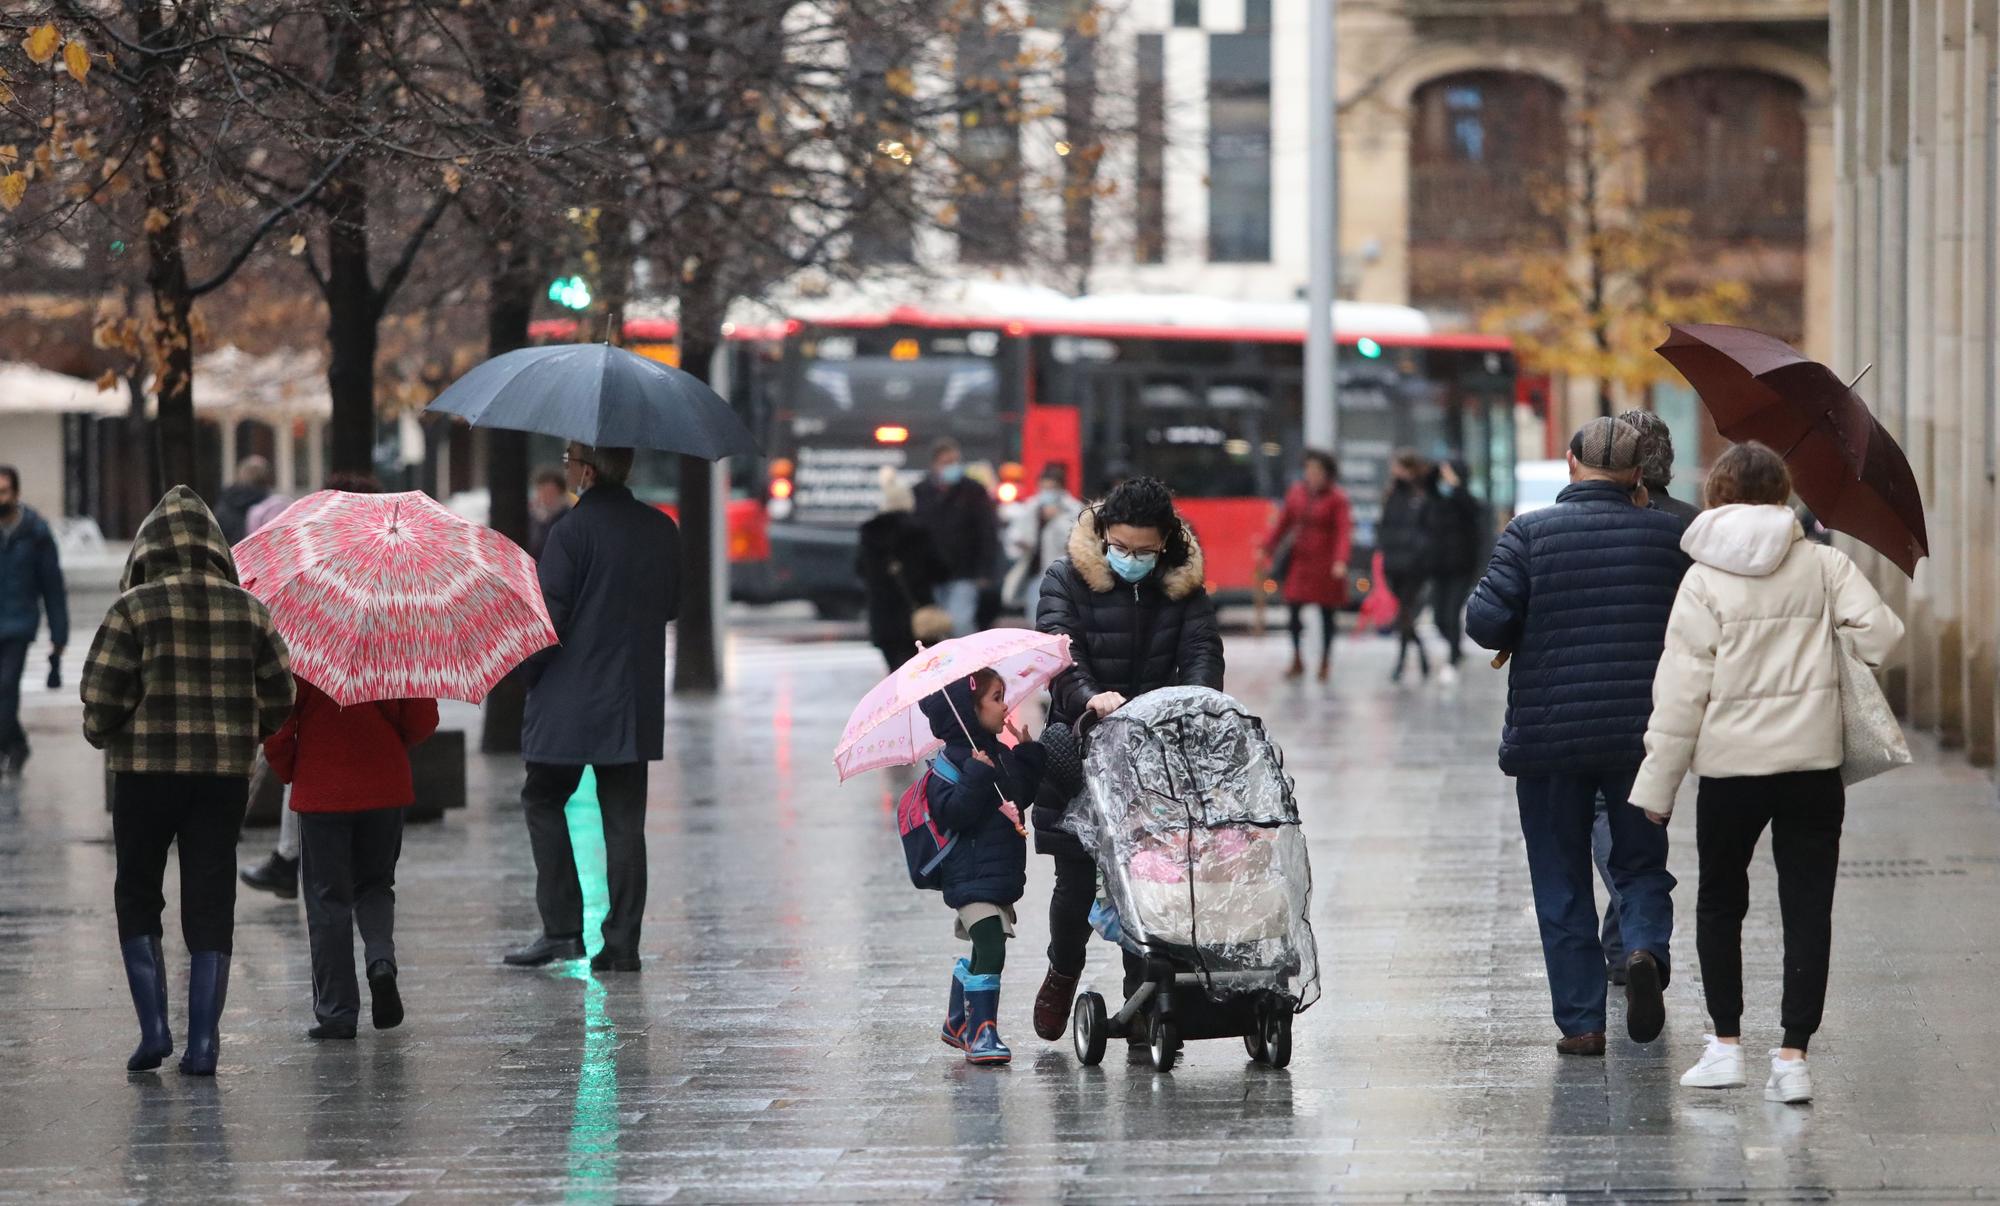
1844,465
390,596
597,394
888,728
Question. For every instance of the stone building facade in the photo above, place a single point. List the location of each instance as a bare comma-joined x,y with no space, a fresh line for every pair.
1917,263
1456,115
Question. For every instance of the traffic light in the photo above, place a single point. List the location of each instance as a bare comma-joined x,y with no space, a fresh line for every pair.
570,292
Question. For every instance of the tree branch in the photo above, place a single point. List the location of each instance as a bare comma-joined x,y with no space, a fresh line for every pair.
396,275
221,276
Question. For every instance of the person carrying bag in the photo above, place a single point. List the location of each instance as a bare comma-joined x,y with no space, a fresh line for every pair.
1766,693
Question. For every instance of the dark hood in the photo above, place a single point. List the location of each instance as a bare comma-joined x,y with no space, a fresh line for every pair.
179,537
938,709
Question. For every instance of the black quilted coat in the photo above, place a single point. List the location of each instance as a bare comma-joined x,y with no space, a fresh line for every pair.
1126,638
1580,592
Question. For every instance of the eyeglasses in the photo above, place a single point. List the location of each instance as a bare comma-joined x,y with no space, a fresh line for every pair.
1114,546
569,458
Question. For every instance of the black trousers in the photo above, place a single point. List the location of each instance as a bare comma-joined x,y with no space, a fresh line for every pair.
1069,921
202,814
347,874
1411,591
1448,595
621,798
1327,627
1804,811
13,661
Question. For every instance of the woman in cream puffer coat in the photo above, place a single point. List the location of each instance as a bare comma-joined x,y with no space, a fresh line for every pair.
1747,695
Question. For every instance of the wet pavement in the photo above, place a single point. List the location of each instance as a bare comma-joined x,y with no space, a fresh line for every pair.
780,1044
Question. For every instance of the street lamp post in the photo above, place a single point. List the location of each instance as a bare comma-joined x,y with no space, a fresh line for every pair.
1322,417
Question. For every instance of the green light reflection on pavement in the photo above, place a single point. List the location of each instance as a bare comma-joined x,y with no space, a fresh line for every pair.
593,1128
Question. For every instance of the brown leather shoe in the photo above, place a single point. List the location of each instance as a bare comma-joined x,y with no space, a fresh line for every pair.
1591,1043
1052,1004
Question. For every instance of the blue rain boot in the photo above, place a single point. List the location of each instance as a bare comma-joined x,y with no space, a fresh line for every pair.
146,974
208,987
953,1033
982,1020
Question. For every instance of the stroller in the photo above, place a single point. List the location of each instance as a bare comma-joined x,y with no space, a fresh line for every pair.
1183,802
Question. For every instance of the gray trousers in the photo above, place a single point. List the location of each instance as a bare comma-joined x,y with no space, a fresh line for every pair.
347,875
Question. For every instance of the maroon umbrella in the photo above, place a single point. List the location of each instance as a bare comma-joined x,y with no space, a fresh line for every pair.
1844,465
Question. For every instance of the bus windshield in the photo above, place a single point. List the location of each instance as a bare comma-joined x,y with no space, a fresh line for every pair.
863,400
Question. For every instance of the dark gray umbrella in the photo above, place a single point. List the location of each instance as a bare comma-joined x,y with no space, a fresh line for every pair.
597,394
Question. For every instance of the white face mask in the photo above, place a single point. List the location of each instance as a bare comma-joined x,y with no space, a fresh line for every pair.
1051,494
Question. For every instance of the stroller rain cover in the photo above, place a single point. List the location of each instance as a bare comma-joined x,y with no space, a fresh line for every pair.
1191,819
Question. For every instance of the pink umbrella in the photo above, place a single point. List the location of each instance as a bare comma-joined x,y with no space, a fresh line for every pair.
390,596
888,729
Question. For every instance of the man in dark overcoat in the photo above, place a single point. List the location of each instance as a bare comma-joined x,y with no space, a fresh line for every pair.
610,572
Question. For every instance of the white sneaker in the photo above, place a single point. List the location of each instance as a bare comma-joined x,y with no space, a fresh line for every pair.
1720,1067
1447,674
1790,1082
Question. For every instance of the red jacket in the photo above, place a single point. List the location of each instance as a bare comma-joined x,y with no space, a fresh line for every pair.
1322,529
349,759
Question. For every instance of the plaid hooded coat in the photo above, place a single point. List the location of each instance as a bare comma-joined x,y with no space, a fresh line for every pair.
187,675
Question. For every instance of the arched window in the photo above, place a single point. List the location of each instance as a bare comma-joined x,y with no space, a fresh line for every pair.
1486,150
1729,147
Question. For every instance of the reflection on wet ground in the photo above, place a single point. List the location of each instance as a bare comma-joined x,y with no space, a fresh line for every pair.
780,1044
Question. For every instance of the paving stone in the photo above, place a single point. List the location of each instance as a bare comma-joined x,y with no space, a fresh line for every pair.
780,1044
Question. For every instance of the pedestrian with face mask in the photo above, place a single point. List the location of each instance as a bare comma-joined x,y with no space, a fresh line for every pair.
1131,597
959,515
1038,536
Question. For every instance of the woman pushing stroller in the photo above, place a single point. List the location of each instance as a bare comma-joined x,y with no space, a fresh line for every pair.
1130,597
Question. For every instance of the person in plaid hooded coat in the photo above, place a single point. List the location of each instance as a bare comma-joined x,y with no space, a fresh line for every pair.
184,680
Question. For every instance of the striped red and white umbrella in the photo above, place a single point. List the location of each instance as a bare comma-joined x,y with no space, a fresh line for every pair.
390,596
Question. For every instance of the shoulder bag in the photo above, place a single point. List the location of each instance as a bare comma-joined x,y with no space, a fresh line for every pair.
1871,740
929,623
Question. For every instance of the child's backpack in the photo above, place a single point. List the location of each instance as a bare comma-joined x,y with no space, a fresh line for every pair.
924,844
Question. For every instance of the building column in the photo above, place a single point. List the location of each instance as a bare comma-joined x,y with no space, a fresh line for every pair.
1980,564
1822,264
1375,203
1929,613
1943,79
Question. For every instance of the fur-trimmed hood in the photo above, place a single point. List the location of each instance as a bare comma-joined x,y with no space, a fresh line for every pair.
1086,555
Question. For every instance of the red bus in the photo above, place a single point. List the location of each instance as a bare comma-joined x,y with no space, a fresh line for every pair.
1204,394
751,357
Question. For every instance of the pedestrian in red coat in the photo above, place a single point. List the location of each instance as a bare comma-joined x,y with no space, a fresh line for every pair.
1320,525
350,774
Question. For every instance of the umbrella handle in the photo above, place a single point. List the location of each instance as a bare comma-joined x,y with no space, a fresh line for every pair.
1863,373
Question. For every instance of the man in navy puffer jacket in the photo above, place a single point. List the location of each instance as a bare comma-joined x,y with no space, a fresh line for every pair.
1579,593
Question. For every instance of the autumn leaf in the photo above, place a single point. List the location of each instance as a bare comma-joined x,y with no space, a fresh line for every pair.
41,43
453,179
156,221
76,60
107,382
297,245
13,186
9,155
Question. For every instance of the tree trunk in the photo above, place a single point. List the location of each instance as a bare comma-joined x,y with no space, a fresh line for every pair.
351,330
171,336
697,668
510,304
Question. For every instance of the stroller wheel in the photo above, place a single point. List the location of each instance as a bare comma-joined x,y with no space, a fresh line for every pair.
1166,1044
1253,1042
1087,1029
1277,1037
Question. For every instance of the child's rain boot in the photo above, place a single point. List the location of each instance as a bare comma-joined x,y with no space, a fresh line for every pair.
953,1033
982,1021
